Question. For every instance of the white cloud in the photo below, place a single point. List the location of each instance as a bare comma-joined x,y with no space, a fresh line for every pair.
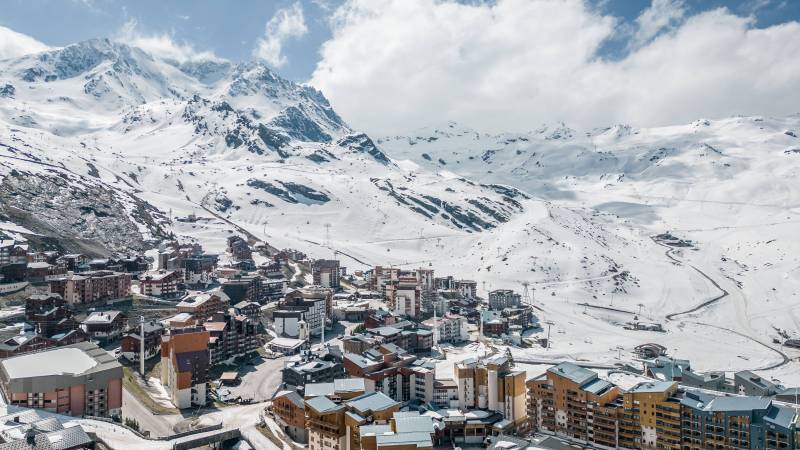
286,24
661,15
13,44
162,45
392,65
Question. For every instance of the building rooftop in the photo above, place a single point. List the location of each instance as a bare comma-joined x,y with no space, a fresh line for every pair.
155,275
782,416
373,401
287,342
292,396
361,361
574,373
422,424
666,368
597,386
349,385
417,439
317,389
323,405
653,386
731,404
75,359
101,317
385,331
373,430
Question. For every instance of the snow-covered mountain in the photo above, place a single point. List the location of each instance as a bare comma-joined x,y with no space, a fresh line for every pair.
152,136
103,146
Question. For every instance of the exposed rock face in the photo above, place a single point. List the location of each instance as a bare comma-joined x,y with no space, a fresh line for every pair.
61,207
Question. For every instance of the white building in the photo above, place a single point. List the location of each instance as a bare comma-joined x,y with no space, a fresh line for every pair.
451,328
287,319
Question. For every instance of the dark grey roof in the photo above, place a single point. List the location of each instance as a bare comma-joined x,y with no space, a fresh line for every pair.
385,331
781,416
63,439
665,368
597,386
359,360
186,361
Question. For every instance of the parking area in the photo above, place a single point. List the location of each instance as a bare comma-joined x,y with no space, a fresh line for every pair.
259,379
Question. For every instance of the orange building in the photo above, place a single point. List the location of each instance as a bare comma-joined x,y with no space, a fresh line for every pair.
184,365
575,403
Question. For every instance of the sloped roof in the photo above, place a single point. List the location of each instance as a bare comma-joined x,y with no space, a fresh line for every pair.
323,405
373,401
574,373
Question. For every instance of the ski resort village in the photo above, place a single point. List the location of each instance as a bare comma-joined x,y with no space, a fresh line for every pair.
202,253
180,347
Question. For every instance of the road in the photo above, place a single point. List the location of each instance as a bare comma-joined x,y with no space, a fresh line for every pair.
723,293
157,425
260,382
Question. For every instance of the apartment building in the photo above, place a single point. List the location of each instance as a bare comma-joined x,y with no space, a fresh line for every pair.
313,368
503,298
202,305
243,287
104,326
492,384
370,421
250,309
325,273
79,379
161,283
184,365
230,336
91,287
574,403
289,409
393,371
309,305
49,314
718,422
130,346
651,417
325,424
239,249
405,297
339,390
451,328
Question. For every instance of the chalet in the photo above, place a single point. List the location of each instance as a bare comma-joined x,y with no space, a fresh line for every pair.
104,326
161,283
251,310
131,341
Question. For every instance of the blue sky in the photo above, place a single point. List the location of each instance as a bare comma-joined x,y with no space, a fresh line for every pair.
496,65
231,28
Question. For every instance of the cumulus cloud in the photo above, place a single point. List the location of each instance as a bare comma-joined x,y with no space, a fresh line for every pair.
392,65
287,23
162,45
13,44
